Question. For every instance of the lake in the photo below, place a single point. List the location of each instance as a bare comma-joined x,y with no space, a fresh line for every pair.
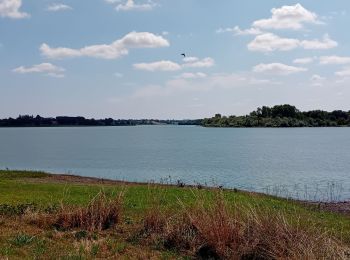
304,163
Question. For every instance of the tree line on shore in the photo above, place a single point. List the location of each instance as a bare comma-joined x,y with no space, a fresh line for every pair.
38,121
276,116
281,116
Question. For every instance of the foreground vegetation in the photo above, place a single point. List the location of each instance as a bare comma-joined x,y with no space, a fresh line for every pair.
281,116
46,216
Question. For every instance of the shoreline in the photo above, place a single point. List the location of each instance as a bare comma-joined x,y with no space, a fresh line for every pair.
340,207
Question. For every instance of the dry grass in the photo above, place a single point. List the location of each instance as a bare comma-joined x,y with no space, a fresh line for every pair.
37,222
219,231
170,231
209,229
100,214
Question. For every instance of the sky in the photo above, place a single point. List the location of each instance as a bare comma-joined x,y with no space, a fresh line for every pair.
122,58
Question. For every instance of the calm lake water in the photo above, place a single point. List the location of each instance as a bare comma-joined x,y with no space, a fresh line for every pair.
305,163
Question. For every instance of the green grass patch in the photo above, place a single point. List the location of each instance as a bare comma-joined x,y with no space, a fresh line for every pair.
17,195
22,240
9,174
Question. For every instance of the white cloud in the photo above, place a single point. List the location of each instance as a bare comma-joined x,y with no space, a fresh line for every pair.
343,73
250,31
328,60
287,17
143,40
58,7
237,31
306,60
189,75
193,62
269,42
190,59
47,68
130,5
113,1
58,53
10,8
277,68
108,51
326,43
163,65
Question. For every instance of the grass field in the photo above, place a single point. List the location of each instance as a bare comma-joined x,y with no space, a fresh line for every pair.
46,217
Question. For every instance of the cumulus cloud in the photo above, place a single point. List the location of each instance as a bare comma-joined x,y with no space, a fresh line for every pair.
250,31
47,68
277,68
306,60
189,75
194,62
324,44
59,53
237,31
344,72
113,1
108,51
190,59
269,42
58,7
130,5
10,9
287,17
329,60
163,65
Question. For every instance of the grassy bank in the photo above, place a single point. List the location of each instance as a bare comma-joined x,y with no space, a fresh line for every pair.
49,216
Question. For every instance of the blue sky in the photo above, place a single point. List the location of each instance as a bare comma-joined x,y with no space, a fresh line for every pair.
122,58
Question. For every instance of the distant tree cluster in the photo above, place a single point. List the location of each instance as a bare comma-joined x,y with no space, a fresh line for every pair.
281,116
38,121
